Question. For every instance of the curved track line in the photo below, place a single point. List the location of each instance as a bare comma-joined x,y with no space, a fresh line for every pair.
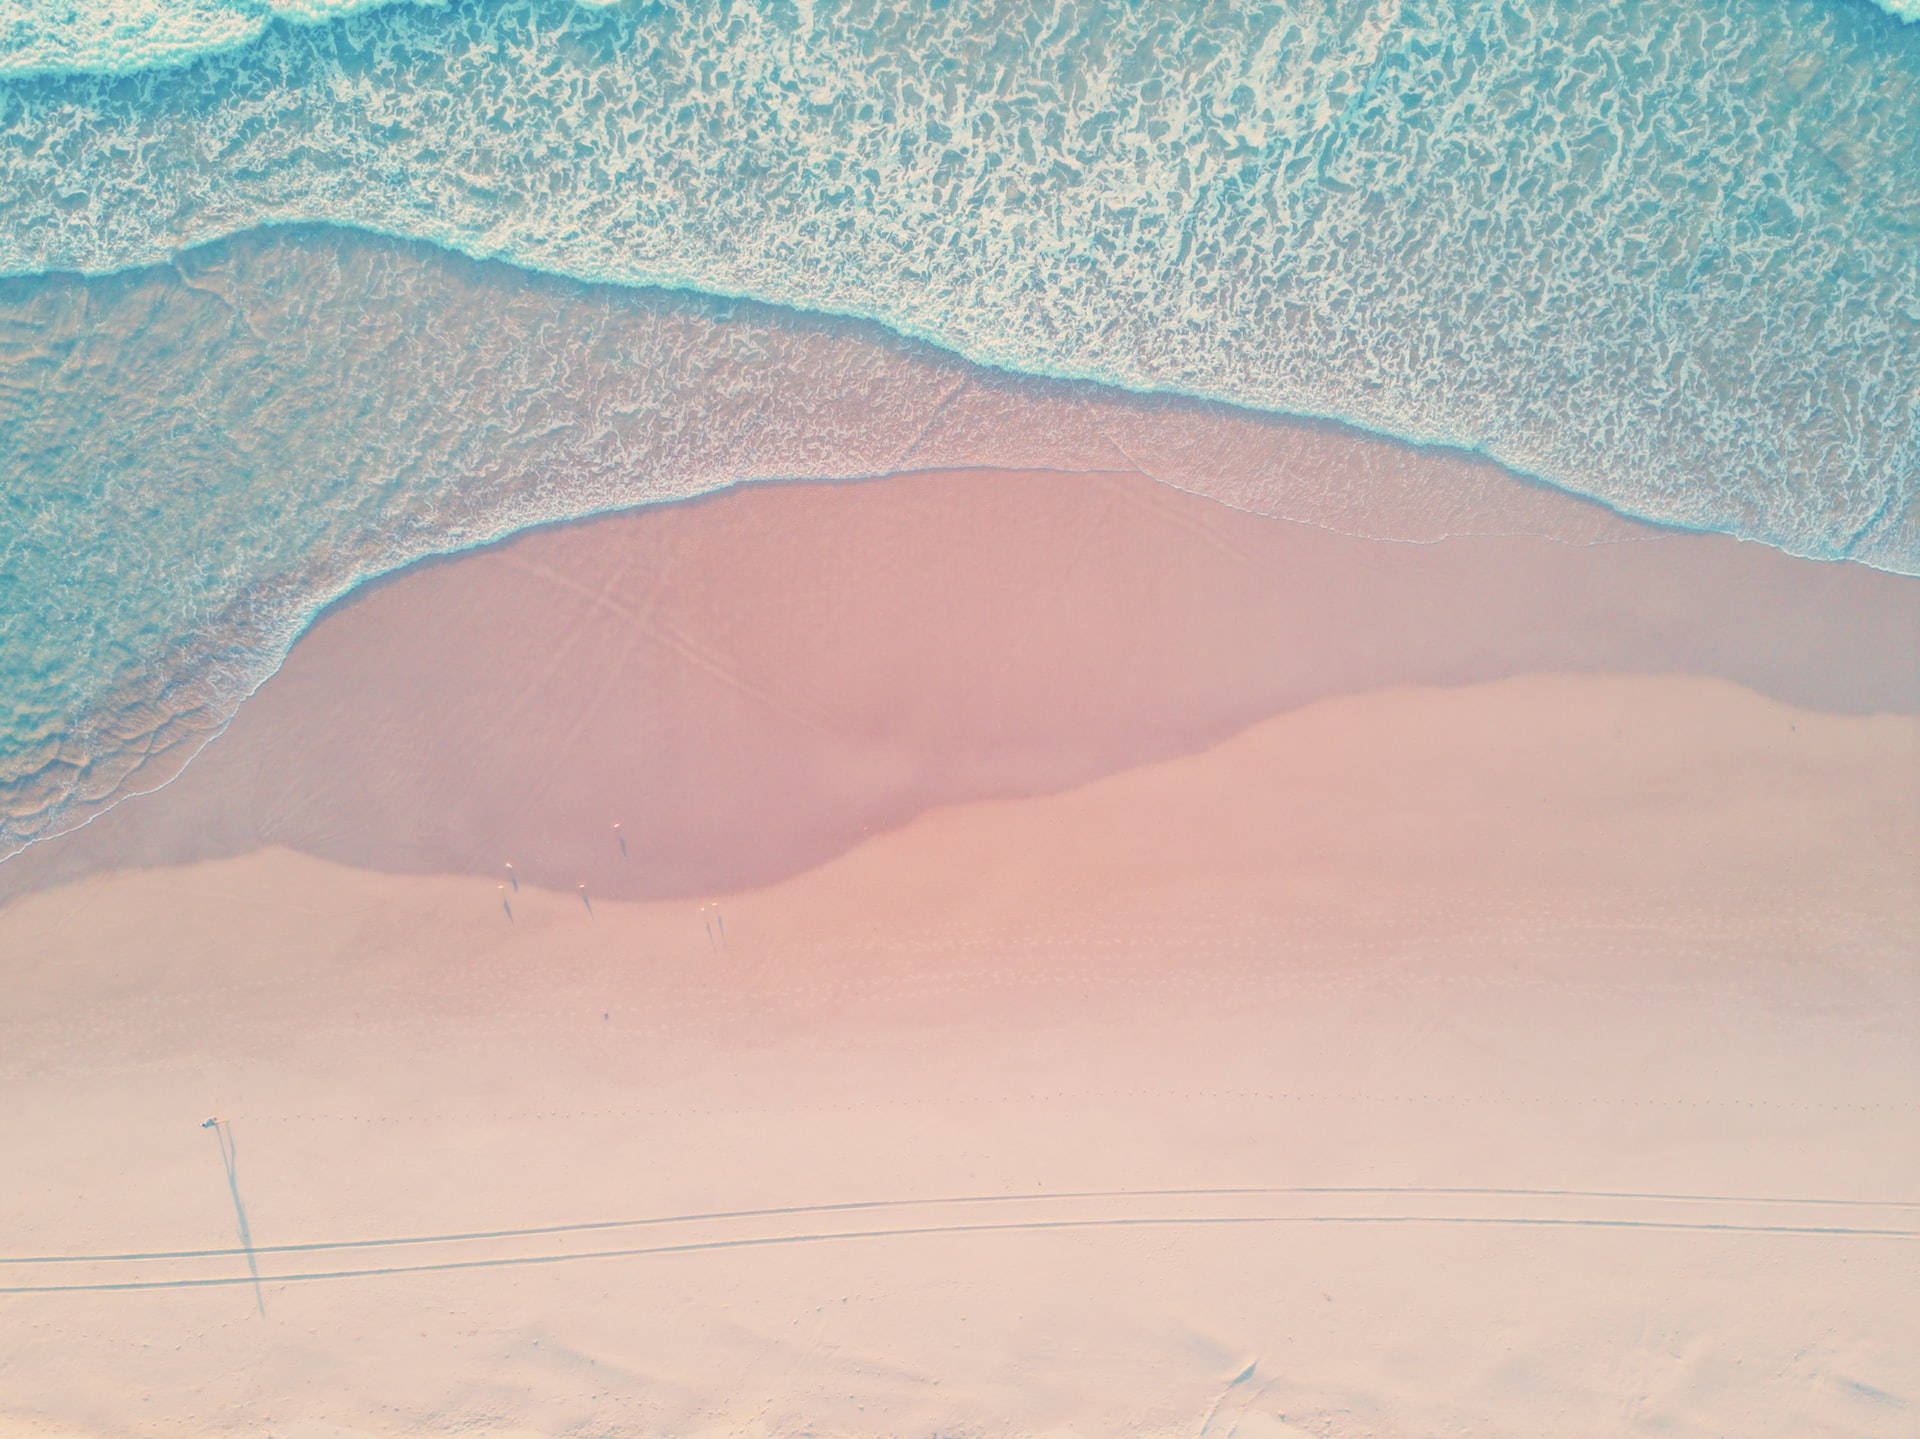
1024,1226
854,1206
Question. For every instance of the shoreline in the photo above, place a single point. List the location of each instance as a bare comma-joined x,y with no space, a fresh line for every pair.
655,394
774,643
1072,387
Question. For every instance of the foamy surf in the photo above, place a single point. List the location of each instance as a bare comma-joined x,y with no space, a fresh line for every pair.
1656,256
1340,211
64,37
207,453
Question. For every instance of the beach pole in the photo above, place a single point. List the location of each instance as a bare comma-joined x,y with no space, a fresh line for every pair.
230,1158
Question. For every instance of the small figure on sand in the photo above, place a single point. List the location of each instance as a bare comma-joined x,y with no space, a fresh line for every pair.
505,904
514,877
587,902
621,837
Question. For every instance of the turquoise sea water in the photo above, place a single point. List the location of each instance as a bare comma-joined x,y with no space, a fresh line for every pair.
118,37
1665,254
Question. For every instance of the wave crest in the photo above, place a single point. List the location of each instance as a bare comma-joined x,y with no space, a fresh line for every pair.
202,454
1659,255
112,37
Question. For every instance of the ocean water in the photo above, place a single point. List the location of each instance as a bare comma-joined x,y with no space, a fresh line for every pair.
58,37
1664,254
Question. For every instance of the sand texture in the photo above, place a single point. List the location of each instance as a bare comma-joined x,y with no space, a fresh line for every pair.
1171,973
749,683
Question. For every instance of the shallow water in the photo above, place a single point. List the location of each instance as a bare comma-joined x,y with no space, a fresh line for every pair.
205,453
1661,254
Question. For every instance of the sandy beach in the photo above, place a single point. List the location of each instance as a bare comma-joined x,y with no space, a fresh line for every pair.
749,683
1075,960
927,721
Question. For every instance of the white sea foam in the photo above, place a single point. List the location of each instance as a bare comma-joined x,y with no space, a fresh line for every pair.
1656,255
121,37
257,428
1661,255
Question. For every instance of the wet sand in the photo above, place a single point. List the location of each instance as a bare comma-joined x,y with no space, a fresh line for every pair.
749,683
1146,971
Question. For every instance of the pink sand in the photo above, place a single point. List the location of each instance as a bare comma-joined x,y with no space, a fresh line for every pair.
1532,1053
749,683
